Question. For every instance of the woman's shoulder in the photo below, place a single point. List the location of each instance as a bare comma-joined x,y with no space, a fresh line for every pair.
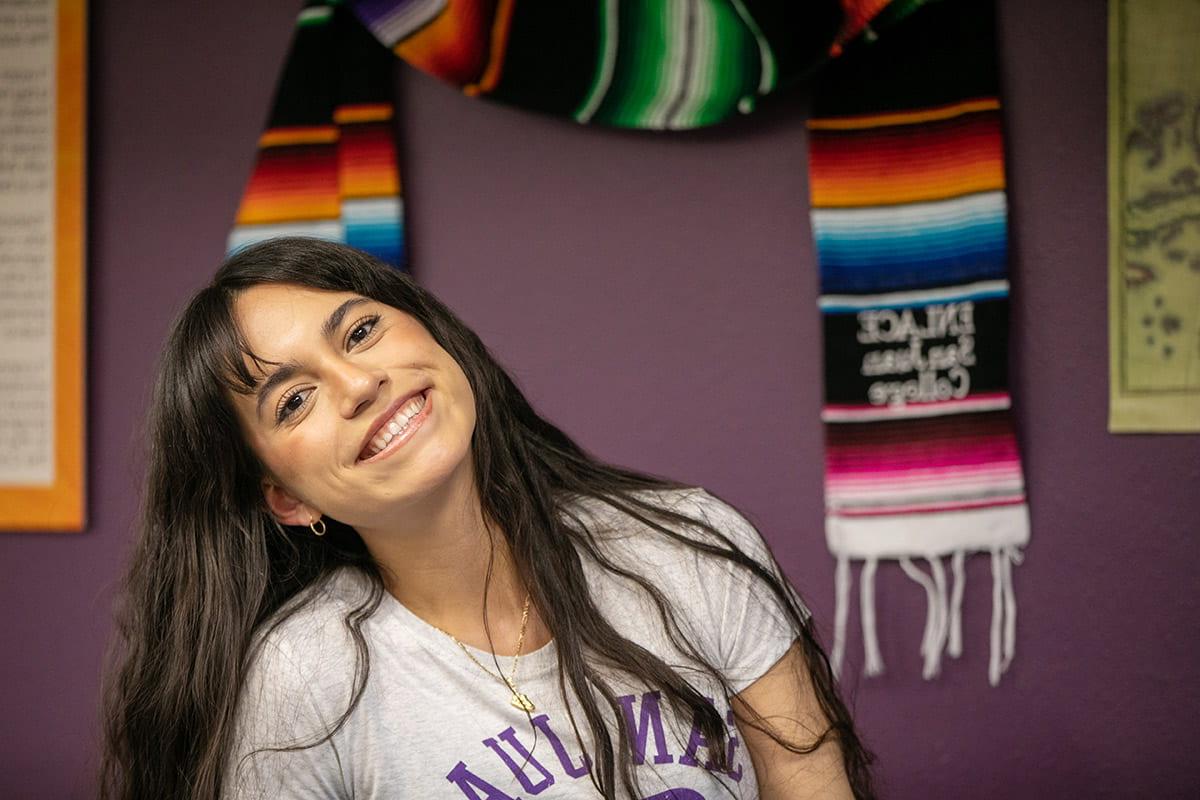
722,606
612,526
306,647
299,683
697,552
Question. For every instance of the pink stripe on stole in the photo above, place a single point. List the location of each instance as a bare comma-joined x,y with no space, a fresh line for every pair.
934,476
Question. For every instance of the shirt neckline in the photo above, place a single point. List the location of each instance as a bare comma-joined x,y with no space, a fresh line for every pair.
533,665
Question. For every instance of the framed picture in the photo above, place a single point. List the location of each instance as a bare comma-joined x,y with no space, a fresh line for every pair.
42,287
1154,230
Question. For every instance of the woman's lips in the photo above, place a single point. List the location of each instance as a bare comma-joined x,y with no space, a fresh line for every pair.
387,416
401,438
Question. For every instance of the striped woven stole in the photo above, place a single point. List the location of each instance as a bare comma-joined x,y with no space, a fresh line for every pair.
326,163
908,204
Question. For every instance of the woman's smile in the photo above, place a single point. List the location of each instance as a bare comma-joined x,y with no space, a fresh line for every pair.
398,424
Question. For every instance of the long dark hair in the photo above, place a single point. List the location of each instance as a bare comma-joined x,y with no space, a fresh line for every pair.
211,568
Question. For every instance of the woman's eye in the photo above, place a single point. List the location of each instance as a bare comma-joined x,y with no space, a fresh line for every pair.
361,331
291,404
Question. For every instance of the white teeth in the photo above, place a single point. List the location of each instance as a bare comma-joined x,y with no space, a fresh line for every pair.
412,407
396,425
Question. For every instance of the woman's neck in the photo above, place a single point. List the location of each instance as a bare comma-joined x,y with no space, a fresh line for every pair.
437,568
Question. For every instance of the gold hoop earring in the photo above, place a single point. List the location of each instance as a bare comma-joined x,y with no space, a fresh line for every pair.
317,527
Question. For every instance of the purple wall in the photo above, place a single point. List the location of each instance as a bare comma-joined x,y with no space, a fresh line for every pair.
656,296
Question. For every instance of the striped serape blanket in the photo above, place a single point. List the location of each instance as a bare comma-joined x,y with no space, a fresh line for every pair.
908,213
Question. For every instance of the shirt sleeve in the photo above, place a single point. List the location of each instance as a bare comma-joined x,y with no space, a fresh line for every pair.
751,626
288,701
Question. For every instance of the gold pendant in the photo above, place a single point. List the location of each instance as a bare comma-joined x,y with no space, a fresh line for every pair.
521,701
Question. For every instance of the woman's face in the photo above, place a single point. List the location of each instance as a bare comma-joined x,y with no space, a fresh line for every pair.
361,414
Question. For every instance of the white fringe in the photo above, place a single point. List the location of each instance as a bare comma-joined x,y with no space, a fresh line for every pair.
954,645
943,616
935,594
1011,554
841,613
873,660
943,612
1004,612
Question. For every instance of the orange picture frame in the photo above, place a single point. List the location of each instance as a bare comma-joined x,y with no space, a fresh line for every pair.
61,505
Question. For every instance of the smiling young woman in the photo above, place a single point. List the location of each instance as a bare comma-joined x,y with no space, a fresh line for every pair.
368,568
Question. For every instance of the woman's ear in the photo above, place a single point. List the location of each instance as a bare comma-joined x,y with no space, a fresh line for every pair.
285,506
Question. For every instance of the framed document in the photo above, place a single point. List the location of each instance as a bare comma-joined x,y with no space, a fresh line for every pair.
1154,216
42,307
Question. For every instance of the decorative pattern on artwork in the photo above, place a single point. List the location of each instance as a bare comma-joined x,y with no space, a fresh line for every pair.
909,216
1154,216
907,181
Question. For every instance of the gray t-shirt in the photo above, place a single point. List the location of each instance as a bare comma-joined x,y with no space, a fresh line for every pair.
431,724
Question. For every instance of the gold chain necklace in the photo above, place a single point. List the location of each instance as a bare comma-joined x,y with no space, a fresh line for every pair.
519,699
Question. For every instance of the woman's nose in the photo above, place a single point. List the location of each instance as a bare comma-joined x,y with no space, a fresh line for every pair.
358,387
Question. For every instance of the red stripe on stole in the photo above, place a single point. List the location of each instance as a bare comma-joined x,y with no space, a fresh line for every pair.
292,182
936,442
906,163
860,452
956,134
366,159
1002,454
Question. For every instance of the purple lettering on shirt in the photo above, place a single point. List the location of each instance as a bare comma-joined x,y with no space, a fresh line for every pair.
676,794
735,769
650,717
568,764
468,782
509,737
695,742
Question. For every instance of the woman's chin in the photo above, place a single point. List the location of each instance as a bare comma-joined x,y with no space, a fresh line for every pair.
390,493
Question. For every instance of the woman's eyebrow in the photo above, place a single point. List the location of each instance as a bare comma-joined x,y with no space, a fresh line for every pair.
335,319
290,368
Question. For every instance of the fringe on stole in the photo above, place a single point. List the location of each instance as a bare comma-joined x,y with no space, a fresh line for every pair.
943,615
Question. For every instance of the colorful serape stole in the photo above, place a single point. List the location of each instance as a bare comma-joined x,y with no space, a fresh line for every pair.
908,211
327,161
658,64
909,216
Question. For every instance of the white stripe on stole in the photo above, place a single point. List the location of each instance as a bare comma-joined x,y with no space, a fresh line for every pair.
608,59
911,218
243,235
997,402
979,290
405,19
